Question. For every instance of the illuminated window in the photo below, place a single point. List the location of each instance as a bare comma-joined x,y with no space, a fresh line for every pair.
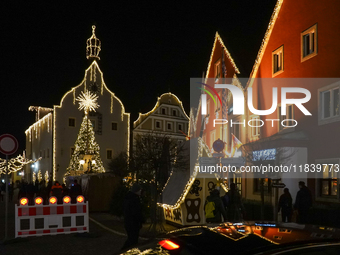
108,154
114,126
71,122
309,43
289,117
277,58
328,181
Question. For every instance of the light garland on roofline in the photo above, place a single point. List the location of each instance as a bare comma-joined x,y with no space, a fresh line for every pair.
141,115
124,114
265,42
218,38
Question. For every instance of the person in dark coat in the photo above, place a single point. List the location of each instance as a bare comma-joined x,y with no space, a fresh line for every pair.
133,217
303,203
219,207
286,206
235,205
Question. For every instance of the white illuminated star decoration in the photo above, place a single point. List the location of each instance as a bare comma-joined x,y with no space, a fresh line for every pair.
87,101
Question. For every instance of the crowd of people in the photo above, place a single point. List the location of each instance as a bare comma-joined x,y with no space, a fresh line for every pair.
230,205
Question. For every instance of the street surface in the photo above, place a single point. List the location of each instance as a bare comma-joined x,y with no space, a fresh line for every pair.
98,242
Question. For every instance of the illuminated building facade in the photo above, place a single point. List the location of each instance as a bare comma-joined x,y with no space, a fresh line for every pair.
301,42
55,131
168,117
221,69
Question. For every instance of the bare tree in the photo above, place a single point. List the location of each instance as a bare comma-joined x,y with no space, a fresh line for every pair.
155,156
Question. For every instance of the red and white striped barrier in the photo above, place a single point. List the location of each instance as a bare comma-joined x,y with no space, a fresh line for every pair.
52,219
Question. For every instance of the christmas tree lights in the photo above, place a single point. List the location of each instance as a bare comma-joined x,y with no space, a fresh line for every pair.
86,156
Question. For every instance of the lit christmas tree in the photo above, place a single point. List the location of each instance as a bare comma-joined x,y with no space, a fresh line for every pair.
86,157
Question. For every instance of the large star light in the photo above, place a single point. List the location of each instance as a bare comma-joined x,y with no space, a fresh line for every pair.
87,101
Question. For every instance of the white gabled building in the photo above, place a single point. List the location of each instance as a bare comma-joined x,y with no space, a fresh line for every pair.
55,131
167,117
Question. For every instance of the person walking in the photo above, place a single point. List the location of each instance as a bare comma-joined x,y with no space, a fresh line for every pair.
133,217
235,205
303,203
286,206
214,208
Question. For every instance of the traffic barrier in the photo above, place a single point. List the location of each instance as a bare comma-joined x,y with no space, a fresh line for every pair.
51,219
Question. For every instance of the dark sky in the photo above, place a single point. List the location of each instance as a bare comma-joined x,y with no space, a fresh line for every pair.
152,47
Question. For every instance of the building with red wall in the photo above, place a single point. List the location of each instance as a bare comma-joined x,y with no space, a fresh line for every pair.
301,42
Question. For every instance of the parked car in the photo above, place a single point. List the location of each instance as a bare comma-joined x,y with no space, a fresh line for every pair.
245,238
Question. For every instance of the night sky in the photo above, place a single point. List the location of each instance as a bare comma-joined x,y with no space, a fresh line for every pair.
148,48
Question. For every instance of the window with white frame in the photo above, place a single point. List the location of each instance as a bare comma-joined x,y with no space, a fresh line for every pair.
309,43
174,112
277,59
289,117
169,126
255,125
158,124
329,101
